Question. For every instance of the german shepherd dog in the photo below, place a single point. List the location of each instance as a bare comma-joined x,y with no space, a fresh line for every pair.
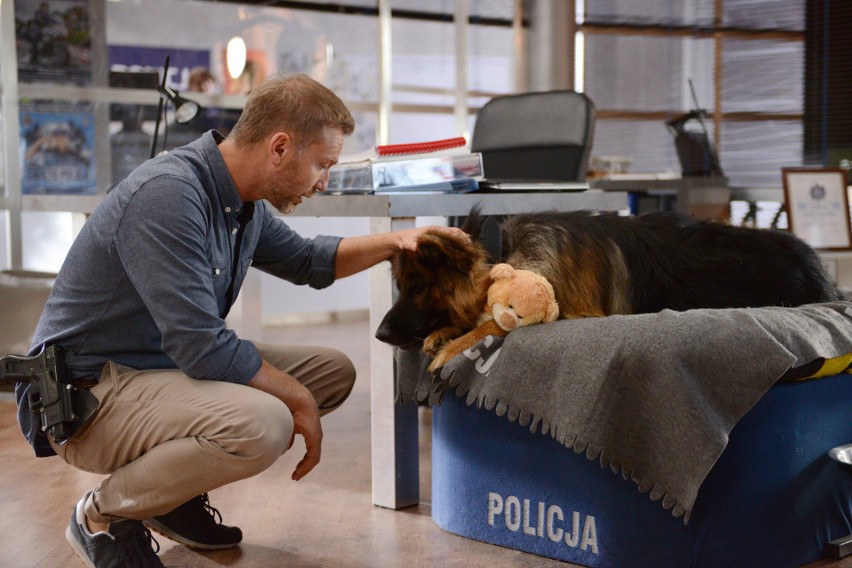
599,264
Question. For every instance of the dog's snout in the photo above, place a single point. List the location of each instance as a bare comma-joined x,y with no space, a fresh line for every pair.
393,332
387,331
383,333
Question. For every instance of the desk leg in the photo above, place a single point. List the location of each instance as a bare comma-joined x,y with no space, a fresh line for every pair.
246,315
394,442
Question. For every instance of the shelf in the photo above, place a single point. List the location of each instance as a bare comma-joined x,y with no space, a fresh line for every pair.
56,91
387,205
68,203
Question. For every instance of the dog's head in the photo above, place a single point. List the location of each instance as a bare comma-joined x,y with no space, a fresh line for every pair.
439,285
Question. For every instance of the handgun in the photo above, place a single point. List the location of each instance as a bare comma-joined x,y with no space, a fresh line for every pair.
61,408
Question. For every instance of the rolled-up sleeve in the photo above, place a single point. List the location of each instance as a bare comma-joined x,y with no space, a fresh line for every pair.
284,253
161,243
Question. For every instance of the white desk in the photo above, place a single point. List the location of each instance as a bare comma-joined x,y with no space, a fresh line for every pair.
394,439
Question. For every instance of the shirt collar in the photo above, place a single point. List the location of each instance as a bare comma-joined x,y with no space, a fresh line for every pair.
228,195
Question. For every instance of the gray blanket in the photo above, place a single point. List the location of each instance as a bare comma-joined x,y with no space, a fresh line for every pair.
652,396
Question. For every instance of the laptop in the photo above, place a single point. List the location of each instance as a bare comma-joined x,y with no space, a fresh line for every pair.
531,185
550,168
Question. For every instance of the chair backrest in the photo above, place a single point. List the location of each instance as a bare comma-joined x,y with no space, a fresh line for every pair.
536,136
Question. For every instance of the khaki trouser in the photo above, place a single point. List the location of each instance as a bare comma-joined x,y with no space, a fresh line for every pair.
165,438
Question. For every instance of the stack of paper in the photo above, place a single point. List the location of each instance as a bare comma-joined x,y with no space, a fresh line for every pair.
446,166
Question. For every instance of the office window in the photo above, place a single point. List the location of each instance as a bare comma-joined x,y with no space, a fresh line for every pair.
46,238
828,81
338,49
424,64
745,59
764,14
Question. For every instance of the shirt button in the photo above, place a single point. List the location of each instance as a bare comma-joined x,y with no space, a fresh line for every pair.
227,209
234,231
217,271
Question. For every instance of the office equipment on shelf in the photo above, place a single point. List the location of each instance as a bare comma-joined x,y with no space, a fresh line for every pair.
535,137
443,166
695,152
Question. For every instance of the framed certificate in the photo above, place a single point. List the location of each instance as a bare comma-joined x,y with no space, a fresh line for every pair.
818,206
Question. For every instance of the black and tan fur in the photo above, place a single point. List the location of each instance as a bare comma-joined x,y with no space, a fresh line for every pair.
601,264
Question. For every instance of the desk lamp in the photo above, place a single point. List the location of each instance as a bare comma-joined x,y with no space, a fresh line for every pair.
185,109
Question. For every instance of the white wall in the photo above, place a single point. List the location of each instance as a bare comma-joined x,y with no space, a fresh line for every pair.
46,238
280,298
5,261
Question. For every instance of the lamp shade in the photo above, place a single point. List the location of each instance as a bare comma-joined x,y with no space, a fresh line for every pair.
185,109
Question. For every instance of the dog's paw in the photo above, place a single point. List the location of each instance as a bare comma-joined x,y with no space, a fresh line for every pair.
440,359
437,340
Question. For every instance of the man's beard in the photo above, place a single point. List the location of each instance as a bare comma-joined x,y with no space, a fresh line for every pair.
282,195
287,208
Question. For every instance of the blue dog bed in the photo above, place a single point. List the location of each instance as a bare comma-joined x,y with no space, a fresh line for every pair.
648,440
774,498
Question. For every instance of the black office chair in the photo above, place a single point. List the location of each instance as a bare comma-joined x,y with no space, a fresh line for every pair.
543,136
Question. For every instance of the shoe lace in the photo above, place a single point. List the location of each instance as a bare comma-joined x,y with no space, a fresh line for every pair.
142,546
214,512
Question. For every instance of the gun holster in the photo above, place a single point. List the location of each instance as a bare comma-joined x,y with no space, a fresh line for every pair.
61,407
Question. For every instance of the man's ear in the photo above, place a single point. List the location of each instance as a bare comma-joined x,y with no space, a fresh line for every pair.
280,144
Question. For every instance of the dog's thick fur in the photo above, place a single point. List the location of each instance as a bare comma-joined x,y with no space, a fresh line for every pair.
601,264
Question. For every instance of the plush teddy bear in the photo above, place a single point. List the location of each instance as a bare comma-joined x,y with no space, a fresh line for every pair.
520,297
516,298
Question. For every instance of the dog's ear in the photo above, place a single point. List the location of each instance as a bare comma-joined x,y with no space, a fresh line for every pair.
440,252
474,222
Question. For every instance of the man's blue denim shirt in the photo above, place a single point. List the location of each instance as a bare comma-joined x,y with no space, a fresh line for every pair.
146,282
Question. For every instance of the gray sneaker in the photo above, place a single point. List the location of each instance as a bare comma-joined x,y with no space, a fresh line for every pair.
126,543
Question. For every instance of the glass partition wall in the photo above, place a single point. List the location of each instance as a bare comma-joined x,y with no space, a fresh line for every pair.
79,101
746,62
411,70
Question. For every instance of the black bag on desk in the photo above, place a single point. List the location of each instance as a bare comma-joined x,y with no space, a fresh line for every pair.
696,155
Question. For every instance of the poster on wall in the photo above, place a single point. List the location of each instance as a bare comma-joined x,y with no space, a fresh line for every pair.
182,62
58,148
53,41
133,66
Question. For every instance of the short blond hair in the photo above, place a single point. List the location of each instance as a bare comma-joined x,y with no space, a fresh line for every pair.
291,103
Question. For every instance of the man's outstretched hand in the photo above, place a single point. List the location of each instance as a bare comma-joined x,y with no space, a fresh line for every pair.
303,407
306,423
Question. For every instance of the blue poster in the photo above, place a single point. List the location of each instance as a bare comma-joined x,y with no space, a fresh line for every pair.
131,58
58,152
